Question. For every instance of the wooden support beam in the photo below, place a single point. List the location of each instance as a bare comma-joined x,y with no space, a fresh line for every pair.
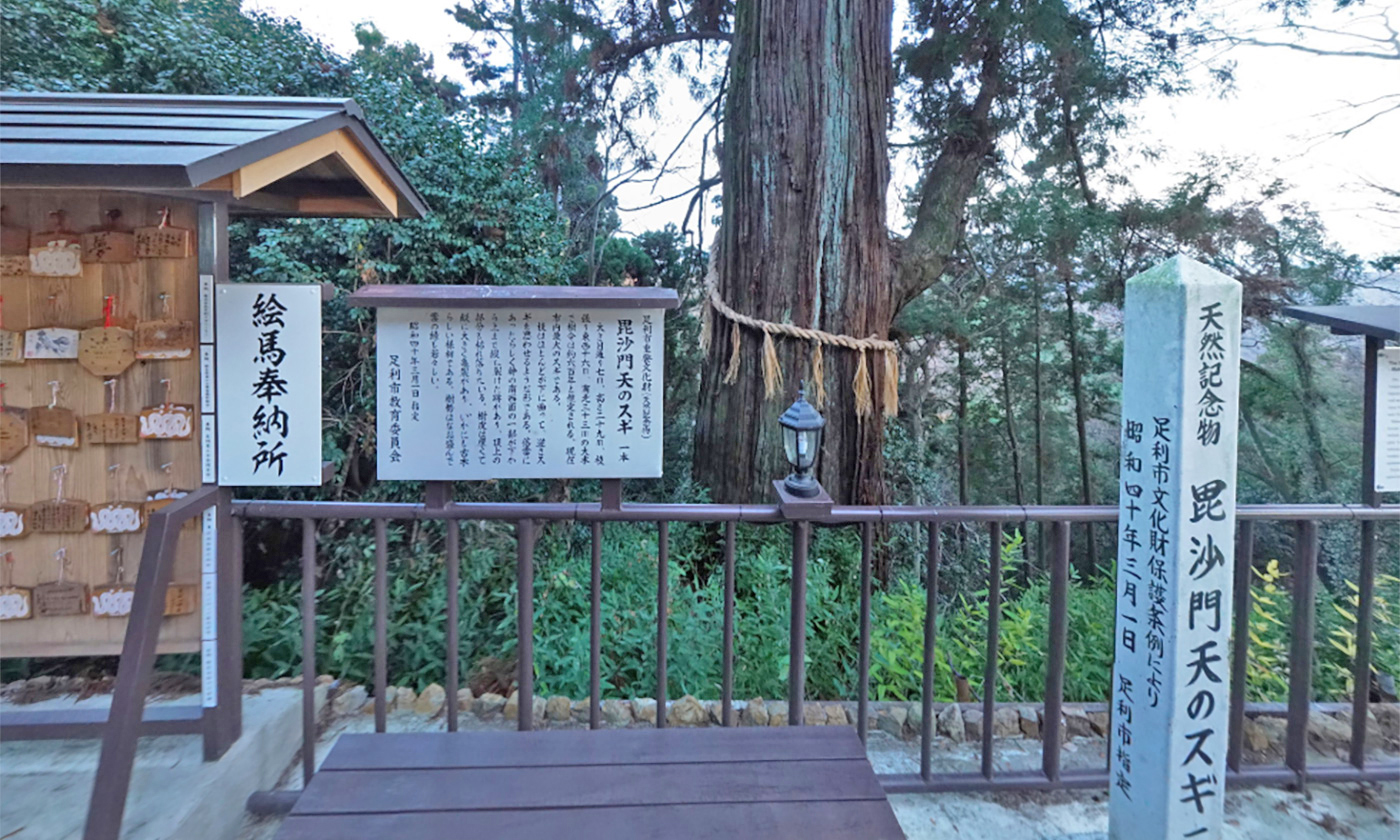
253,177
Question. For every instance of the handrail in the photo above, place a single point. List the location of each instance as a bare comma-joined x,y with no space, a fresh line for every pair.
119,736
762,514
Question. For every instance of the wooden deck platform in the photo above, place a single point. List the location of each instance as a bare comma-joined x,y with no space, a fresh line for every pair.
803,782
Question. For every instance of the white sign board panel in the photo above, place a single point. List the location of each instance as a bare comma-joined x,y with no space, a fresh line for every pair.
206,309
468,394
209,609
209,673
206,379
269,384
209,542
207,447
1388,420
1176,530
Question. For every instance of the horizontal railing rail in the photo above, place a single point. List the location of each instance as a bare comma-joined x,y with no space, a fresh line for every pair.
763,514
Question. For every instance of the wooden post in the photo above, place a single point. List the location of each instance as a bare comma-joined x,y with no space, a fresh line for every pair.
221,654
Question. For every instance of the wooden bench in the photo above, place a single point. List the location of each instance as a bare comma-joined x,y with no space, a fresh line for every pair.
798,782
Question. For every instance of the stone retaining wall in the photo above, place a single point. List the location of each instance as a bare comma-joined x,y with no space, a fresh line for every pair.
1329,724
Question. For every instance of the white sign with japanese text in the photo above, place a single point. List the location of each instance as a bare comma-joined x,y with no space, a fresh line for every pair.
1176,534
268,363
469,394
1388,420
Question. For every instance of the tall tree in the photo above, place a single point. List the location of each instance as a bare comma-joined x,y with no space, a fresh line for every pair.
805,106
803,240
801,243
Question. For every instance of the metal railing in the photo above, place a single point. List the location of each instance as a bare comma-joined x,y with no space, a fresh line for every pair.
123,726
527,517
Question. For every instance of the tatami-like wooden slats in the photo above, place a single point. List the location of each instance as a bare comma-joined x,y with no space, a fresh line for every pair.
437,750
798,782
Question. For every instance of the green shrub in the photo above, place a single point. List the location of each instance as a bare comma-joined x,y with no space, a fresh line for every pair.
417,633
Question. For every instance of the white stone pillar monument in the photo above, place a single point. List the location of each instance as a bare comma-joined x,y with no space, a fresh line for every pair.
1176,535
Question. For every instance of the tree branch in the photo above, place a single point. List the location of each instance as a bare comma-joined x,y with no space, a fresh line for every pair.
1237,40
616,56
938,225
701,186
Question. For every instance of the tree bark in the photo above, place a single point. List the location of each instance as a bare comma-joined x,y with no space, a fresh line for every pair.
1006,407
1080,425
803,240
1272,474
1308,401
1039,428
963,495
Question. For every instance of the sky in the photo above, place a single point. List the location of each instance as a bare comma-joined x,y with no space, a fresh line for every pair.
1279,121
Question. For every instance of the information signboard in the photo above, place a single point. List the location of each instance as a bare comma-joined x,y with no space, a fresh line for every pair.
268,354
1388,420
531,391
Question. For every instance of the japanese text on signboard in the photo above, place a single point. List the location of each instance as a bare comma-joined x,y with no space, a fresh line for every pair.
516,393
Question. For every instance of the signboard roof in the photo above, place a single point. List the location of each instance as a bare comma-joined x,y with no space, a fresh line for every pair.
516,297
318,156
1376,321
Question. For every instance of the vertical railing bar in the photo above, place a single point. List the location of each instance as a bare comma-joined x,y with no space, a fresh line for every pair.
1239,657
663,598
525,624
308,650
1055,667
1300,654
1361,669
797,630
863,702
119,737
454,640
381,623
989,681
935,553
228,709
595,628
727,689
1371,497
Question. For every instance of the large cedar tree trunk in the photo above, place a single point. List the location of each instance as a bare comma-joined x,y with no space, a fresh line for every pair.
803,240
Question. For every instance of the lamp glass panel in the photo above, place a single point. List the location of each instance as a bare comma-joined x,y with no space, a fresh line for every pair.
807,444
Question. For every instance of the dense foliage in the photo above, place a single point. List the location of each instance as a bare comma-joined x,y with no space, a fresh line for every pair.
417,636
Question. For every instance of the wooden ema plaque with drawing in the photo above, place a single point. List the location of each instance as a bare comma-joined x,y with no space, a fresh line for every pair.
109,243
14,431
16,602
108,424
107,350
53,425
111,426
118,516
11,342
113,599
14,247
165,338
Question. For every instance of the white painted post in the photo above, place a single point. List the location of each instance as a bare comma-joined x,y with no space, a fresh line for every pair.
1176,533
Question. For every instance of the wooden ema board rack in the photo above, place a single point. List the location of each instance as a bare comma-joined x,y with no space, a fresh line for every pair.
136,287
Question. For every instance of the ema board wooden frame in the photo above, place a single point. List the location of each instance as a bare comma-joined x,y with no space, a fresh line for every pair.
137,287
